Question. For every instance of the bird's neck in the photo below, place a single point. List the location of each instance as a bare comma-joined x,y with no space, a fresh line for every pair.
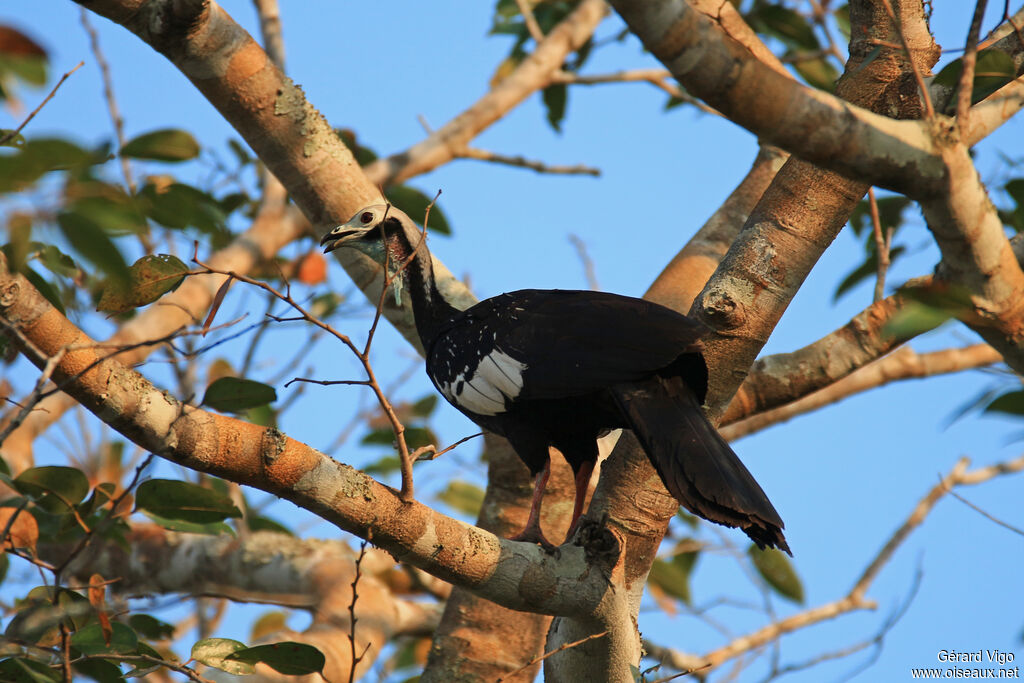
429,307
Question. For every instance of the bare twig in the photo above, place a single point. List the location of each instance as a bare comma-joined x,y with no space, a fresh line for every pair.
10,135
531,21
969,60
560,648
882,244
588,263
108,92
855,599
27,404
523,162
352,612
431,453
362,355
660,78
987,515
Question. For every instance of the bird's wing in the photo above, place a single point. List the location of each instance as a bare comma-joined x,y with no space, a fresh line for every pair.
575,342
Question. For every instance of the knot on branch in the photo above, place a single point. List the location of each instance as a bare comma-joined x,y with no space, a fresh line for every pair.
722,311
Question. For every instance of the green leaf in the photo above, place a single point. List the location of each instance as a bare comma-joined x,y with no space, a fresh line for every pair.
38,617
57,262
264,415
151,627
890,214
1011,403
784,24
819,72
425,406
21,670
234,394
864,271
776,569
463,496
915,319
89,240
210,529
90,640
55,488
992,71
105,204
415,203
386,465
288,658
363,155
99,670
325,304
261,523
215,652
178,206
48,291
555,100
673,576
184,501
168,144
149,278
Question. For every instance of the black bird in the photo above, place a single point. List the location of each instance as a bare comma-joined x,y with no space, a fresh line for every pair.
560,368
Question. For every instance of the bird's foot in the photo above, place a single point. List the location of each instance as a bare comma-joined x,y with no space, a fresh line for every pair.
533,534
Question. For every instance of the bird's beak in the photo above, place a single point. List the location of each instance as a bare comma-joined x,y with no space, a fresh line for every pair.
338,237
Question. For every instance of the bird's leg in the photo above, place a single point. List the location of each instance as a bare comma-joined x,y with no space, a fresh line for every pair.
582,484
532,533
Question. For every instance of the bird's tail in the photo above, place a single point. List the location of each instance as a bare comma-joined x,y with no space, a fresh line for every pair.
696,464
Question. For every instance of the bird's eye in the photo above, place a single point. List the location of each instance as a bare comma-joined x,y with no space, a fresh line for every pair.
366,217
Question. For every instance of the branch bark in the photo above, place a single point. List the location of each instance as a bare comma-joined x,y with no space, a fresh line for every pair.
266,568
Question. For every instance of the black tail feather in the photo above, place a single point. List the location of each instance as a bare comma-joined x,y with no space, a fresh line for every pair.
696,464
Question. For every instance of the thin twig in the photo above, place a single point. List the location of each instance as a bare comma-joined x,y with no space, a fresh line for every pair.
659,78
969,61
560,648
421,453
523,162
10,135
929,110
352,610
364,360
985,514
589,272
108,92
28,403
531,21
882,243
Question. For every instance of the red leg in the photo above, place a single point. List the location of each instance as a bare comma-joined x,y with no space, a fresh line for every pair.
532,533
582,483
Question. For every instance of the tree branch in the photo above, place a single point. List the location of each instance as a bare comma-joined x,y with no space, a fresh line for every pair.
517,575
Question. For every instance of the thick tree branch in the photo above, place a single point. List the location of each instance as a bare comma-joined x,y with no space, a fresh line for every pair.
785,377
518,575
273,116
820,128
534,73
794,222
267,568
902,364
273,228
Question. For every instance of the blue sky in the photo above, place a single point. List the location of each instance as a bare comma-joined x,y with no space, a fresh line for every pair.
843,478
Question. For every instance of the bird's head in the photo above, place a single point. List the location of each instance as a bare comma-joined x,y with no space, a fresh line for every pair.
385,234
364,231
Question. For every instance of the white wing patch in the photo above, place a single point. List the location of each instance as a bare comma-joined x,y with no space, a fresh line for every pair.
497,378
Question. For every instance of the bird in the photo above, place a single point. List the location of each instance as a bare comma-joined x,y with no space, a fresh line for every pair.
563,367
